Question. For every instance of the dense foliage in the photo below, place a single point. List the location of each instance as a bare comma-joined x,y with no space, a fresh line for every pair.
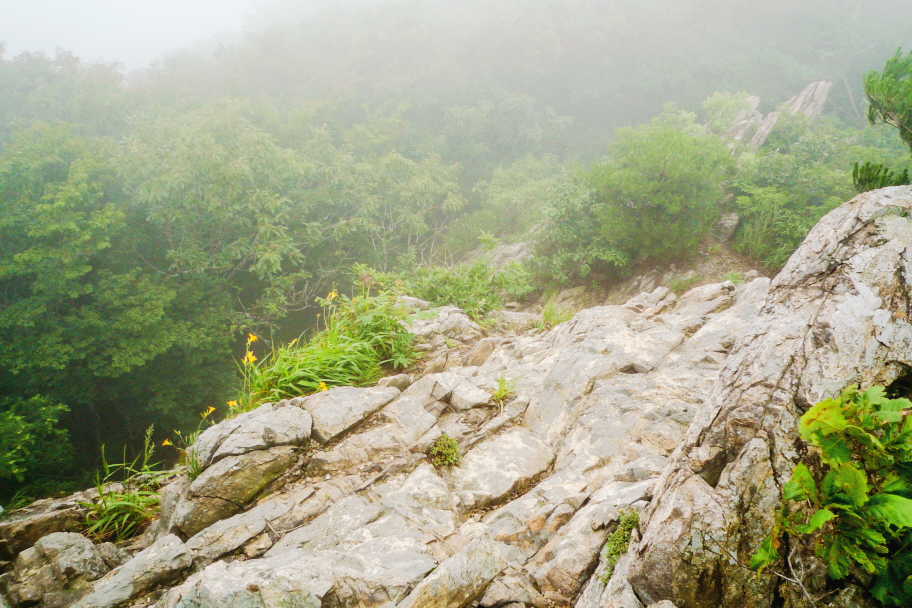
654,197
149,224
856,510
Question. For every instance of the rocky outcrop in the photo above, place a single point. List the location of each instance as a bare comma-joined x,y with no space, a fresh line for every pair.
58,570
329,500
837,314
751,128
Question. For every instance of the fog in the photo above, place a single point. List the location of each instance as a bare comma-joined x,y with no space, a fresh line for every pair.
136,32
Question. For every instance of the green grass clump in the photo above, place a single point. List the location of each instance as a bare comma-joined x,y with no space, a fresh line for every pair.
445,452
735,277
552,314
362,335
122,510
617,543
683,284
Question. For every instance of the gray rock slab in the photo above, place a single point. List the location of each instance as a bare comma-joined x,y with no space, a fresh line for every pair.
405,420
458,580
226,487
56,571
226,535
327,530
267,426
161,563
498,466
337,410
466,396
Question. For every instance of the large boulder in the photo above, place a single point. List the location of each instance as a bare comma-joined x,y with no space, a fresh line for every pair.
226,487
268,426
22,528
55,572
837,314
161,563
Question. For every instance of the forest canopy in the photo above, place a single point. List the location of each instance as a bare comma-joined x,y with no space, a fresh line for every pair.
150,222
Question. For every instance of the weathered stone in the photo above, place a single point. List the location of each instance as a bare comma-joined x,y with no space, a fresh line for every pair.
339,409
228,534
267,426
406,421
23,528
447,322
479,353
227,486
400,381
499,466
458,580
466,396
55,572
837,314
161,563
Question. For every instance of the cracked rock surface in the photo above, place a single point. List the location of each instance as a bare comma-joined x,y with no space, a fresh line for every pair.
837,314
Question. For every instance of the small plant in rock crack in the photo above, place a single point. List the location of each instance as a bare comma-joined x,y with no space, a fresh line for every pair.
857,511
552,314
617,543
505,392
445,452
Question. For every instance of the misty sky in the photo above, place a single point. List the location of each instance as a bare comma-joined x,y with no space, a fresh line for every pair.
131,31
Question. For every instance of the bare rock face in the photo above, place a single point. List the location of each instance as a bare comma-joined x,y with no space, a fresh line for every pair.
267,426
339,409
362,518
227,486
55,572
43,517
837,314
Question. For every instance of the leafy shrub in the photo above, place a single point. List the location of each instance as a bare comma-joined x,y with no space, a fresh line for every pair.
803,171
858,512
122,508
362,334
617,543
445,452
654,197
476,288
31,444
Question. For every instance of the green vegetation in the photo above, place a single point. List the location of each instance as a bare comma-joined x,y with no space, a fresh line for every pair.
552,314
889,95
445,452
127,496
855,510
617,543
477,288
735,277
654,198
681,285
362,334
504,392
